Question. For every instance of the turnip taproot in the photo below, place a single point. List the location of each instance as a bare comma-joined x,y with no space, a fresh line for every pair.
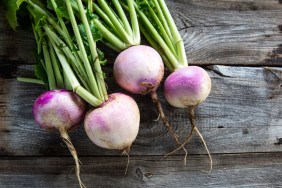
140,70
67,58
117,113
60,110
187,86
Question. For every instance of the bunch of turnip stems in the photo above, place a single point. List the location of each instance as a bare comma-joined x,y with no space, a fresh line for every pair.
69,64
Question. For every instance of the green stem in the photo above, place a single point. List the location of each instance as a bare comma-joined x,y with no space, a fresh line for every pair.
30,80
118,44
67,82
162,18
36,34
111,46
123,17
69,39
172,59
94,54
97,66
62,23
181,55
119,27
83,93
51,20
134,22
162,30
74,60
48,65
156,46
92,80
36,37
103,15
55,64
90,5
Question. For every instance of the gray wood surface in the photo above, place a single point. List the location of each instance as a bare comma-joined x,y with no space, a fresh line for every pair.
232,170
239,43
242,114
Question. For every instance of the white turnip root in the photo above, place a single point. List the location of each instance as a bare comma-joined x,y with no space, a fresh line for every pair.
181,89
186,88
115,124
140,70
60,110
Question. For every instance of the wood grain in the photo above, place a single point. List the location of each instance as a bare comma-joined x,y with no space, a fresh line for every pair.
217,32
242,114
239,43
245,170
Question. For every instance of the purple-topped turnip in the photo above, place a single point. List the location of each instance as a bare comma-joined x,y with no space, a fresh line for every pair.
60,110
140,70
115,124
67,58
187,86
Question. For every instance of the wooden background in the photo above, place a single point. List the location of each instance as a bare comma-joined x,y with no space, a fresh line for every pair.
239,42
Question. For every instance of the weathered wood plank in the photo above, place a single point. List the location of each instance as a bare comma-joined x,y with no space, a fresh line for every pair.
230,32
244,170
226,32
236,5
242,114
15,46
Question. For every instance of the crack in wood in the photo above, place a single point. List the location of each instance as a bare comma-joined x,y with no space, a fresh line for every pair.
273,73
209,26
219,71
280,28
279,141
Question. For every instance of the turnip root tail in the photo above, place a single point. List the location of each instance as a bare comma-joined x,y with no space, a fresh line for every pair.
192,118
65,137
205,145
165,120
126,152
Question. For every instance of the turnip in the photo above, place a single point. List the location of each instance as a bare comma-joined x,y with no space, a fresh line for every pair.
68,58
60,110
115,124
55,109
187,86
138,69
